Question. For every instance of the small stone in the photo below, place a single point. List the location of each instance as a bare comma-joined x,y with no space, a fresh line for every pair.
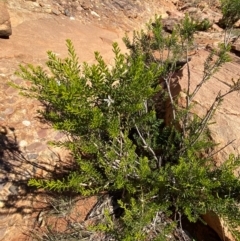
86,4
2,184
62,2
23,143
8,111
11,91
32,156
35,4
37,146
79,8
59,136
14,77
26,123
13,189
48,10
95,14
26,175
42,133
2,204
67,13
56,11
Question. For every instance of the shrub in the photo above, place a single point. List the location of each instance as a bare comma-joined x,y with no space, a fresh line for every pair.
124,146
231,12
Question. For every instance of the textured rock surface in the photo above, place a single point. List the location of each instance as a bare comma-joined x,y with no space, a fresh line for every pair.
227,125
5,23
219,226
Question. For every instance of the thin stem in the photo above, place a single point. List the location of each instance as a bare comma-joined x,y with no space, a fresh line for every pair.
204,79
167,80
214,153
209,114
185,121
180,224
145,143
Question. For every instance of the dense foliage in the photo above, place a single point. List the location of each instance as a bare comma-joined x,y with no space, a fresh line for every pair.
231,12
118,132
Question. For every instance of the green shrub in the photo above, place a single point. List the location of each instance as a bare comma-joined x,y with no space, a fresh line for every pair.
231,13
204,25
117,132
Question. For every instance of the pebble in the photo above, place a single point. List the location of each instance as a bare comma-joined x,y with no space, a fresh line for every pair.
2,204
67,13
42,133
23,143
26,175
11,91
26,123
56,11
36,146
48,10
1,186
95,14
79,8
13,189
32,156
35,4
8,111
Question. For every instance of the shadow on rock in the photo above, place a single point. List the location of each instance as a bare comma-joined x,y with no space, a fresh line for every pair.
16,197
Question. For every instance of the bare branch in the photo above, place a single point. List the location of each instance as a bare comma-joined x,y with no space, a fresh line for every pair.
167,80
214,153
145,143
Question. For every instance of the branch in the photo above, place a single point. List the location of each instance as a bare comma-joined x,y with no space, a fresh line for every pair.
145,143
185,121
206,76
205,120
214,153
209,114
167,80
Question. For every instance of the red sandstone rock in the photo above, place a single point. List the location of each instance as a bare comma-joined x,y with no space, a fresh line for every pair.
5,24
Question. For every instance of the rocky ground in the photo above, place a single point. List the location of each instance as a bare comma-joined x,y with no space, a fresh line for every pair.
41,25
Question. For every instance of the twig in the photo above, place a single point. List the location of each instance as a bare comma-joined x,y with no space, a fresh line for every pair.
205,120
185,121
212,154
145,143
180,223
167,80
209,114
204,79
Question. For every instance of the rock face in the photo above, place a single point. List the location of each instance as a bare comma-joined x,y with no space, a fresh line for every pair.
236,46
227,126
117,14
218,225
5,24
